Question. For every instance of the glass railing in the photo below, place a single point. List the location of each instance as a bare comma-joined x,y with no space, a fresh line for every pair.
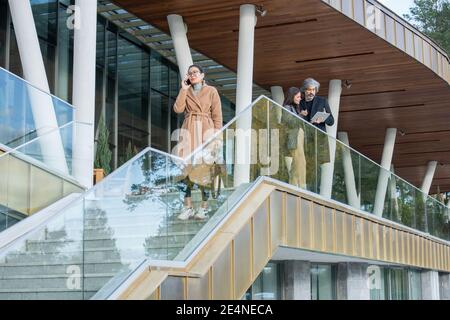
353,178
134,213
26,111
28,183
287,148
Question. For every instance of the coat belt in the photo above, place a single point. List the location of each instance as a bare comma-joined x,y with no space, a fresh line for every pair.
201,114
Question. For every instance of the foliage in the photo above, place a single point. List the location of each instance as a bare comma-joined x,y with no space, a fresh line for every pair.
130,152
432,17
103,154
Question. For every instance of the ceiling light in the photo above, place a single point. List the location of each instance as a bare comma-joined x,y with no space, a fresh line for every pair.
261,11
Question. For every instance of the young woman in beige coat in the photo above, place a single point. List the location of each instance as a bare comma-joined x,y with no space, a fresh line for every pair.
202,109
296,161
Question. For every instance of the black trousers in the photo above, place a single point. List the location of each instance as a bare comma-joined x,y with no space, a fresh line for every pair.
189,185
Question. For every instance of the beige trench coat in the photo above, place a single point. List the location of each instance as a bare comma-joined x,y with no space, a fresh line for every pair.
203,117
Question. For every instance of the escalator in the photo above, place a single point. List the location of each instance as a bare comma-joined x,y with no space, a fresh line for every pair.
122,239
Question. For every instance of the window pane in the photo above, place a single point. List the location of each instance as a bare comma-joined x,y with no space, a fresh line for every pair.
376,283
266,286
160,117
65,57
228,110
415,285
159,74
3,28
15,64
133,75
174,83
45,14
396,284
3,218
323,282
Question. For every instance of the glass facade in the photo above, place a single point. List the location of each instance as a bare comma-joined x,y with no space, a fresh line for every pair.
8,218
385,283
268,285
323,282
397,284
135,86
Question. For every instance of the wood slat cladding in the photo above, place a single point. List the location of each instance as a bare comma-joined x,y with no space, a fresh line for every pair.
279,216
303,38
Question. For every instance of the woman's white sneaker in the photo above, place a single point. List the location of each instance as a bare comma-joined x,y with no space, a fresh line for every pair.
201,214
186,214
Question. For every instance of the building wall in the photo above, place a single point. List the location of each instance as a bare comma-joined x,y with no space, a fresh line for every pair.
341,281
135,86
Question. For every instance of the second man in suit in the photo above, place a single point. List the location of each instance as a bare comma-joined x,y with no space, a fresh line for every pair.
313,104
317,150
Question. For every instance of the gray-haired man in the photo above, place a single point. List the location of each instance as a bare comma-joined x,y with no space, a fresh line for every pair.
313,104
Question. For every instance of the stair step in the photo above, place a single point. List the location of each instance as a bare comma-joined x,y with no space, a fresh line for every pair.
157,248
61,283
93,243
41,269
66,263
15,269
118,205
55,276
76,257
46,294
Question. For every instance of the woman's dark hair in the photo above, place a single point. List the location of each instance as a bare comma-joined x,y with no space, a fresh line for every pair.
198,67
291,93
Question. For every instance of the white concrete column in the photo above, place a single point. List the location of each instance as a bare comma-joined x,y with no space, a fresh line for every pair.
444,285
426,185
34,71
383,177
178,32
277,94
297,280
349,174
352,281
244,93
428,179
327,169
430,285
278,97
85,44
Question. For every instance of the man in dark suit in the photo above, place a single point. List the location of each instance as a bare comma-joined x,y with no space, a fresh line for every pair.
313,104
317,149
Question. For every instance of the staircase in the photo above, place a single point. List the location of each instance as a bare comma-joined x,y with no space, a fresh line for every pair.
94,242
112,239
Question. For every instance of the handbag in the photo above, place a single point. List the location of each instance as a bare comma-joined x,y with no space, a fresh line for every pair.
208,167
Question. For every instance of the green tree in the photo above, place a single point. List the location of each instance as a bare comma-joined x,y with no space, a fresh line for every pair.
103,154
432,17
130,152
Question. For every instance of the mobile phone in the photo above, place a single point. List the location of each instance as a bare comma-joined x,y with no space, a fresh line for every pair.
187,82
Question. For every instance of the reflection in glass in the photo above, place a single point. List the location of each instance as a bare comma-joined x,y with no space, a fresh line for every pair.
267,285
323,282
396,284
415,285
133,73
377,283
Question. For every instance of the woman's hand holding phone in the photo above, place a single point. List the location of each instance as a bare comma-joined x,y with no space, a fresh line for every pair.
185,84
